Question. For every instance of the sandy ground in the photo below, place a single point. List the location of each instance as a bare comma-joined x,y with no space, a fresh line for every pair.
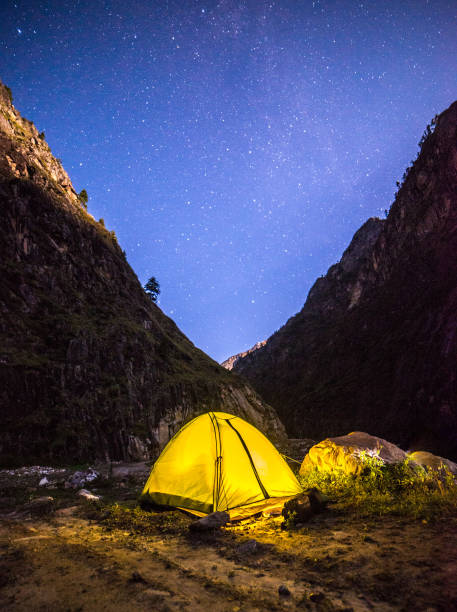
69,561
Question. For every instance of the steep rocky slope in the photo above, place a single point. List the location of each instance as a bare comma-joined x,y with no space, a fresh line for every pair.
375,346
89,366
230,362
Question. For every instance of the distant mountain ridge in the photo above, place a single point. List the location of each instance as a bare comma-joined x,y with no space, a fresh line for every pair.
230,362
90,367
374,348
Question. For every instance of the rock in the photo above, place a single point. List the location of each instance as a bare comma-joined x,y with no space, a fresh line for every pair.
155,594
137,449
40,505
43,482
297,510
348,453
211,521
137,577
69,511
369,539
230,362
433,462
297,448
316,597
88,495
80,478
317,500
248,547
283,591
121,471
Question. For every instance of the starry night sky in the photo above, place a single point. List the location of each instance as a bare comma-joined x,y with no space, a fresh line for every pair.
233,146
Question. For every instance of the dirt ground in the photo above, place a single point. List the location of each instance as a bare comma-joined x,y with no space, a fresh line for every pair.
71,560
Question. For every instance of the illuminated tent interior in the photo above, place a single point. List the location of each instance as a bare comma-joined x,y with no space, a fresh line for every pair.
219,462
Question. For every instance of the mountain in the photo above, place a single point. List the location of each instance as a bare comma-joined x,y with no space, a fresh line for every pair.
374,348
229,363
90,367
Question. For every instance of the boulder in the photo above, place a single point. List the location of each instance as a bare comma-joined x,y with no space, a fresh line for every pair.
348,453
433,462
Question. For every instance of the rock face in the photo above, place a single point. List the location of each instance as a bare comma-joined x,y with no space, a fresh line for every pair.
230,362
375,345
432,462
348,454
90,367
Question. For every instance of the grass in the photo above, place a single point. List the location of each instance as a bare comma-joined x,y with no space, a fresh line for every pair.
403,489
141,522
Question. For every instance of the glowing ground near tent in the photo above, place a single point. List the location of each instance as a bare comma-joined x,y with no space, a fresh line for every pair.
272,506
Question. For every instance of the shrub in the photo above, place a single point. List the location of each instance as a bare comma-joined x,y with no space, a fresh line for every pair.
152,288
83,197
402,489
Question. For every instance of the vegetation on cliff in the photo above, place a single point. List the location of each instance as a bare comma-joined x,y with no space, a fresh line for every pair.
374,347
89,365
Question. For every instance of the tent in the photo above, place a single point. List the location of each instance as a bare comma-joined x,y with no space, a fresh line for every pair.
218,461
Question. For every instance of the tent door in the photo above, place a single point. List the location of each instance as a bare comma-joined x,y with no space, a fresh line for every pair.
262,488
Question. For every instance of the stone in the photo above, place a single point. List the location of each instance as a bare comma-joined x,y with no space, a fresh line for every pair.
137,449
156,593
348,453
87,495
248,547
210,521
139,471
297,510
317,597
137,577
317,500
283,591
40,505
80,478
43,482
65,512
433,462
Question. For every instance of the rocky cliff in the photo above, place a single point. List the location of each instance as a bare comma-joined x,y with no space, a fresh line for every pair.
374,348
89,365
230,362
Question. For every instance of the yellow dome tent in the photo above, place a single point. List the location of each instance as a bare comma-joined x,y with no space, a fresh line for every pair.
218,461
